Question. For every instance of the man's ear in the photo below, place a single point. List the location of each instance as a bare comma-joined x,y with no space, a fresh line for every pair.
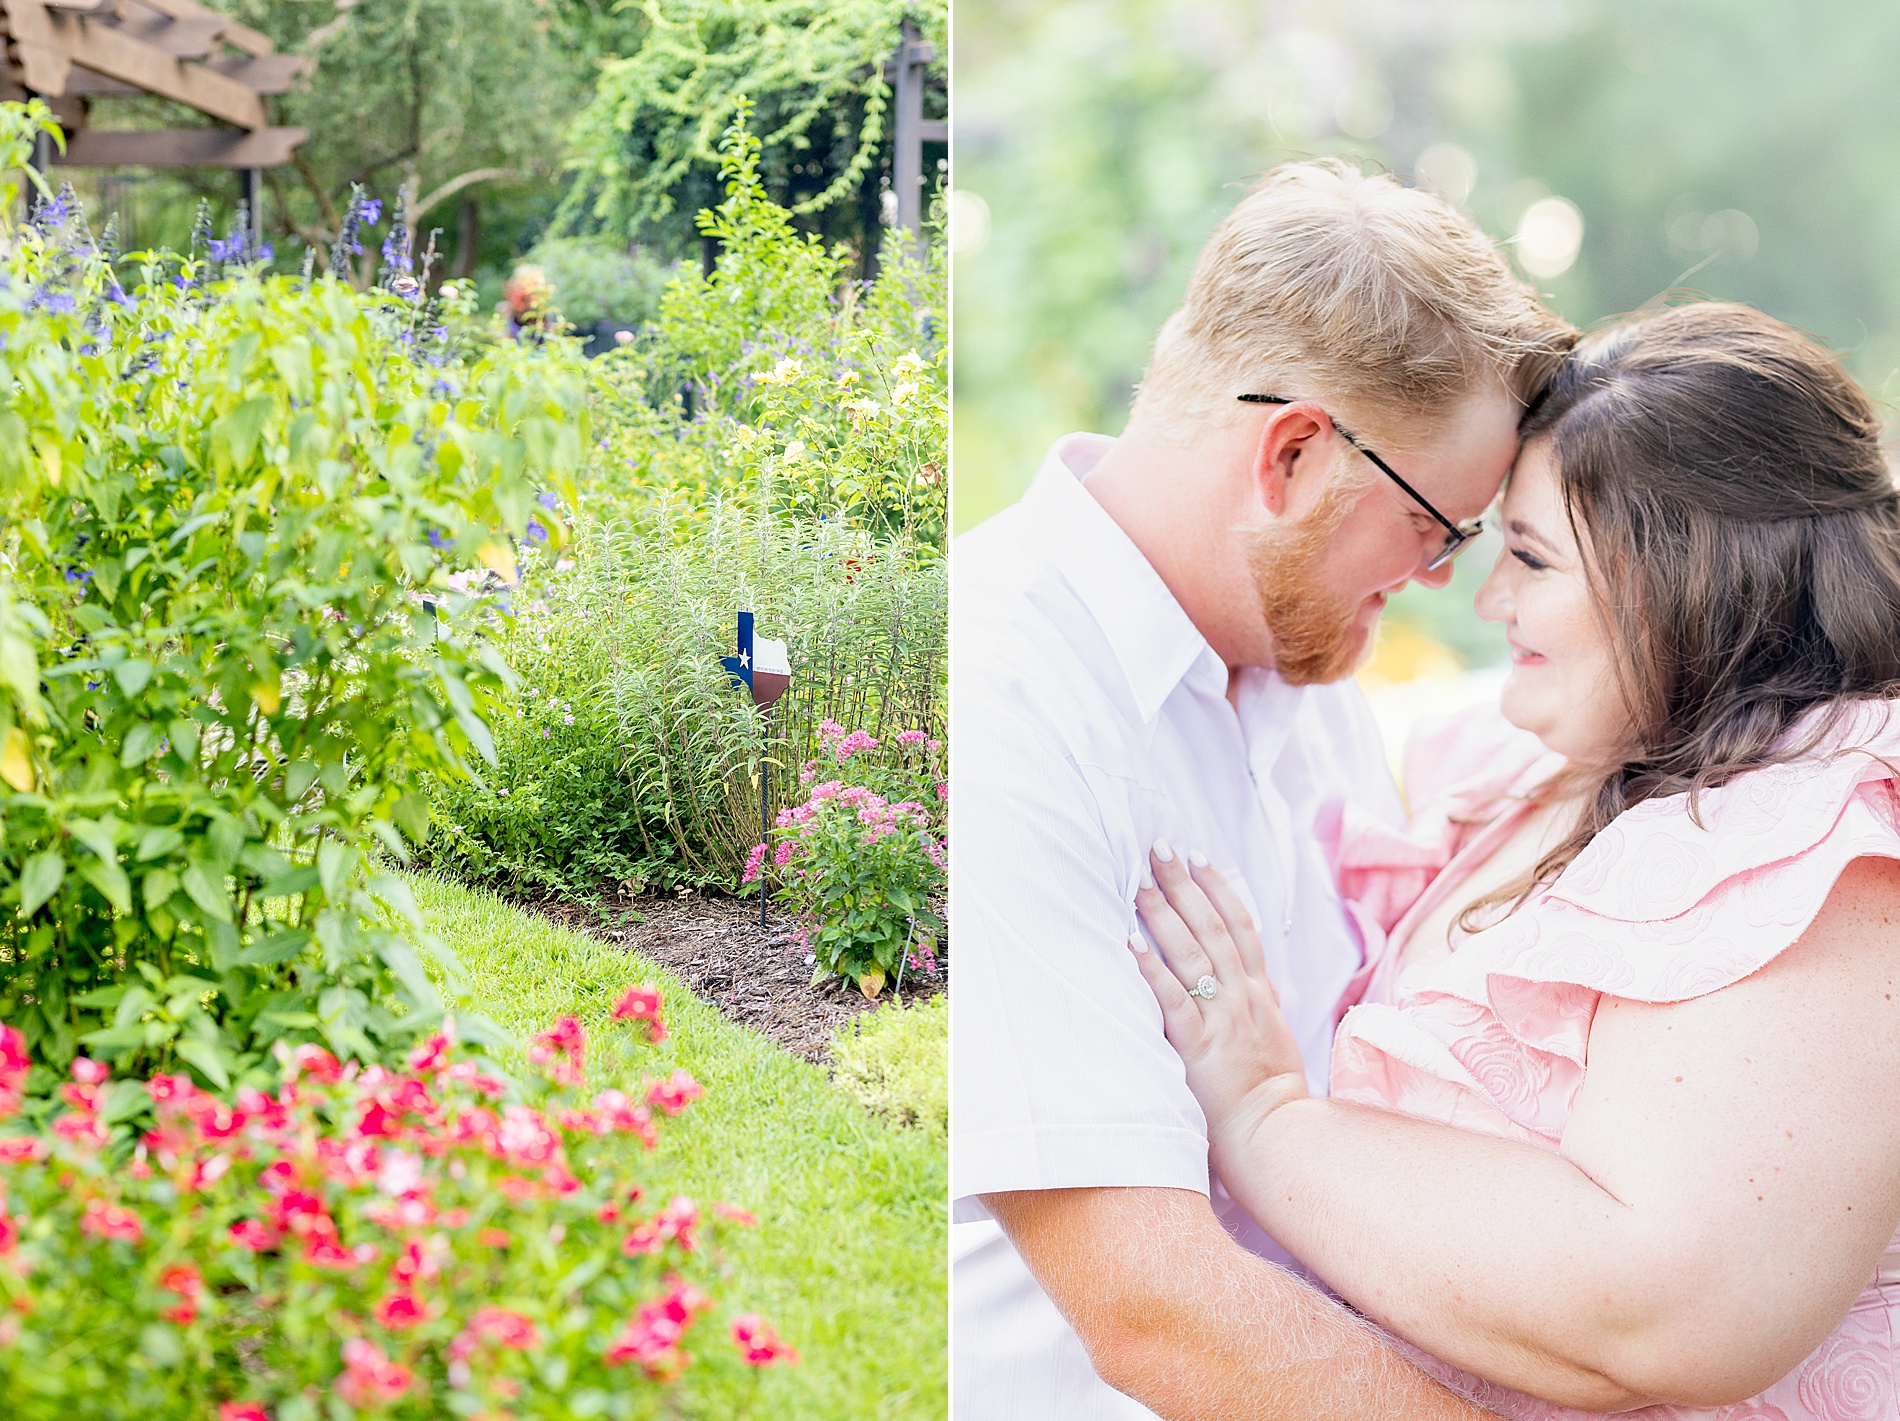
1290,446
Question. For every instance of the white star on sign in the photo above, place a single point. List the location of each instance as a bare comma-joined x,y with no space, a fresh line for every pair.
745,658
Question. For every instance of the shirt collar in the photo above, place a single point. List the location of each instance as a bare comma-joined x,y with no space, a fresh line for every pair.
1154,642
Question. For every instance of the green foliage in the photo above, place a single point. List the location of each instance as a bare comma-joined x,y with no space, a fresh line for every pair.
810,394
596,280
896,1061
626,753
220,688
416,94
645,150
807,486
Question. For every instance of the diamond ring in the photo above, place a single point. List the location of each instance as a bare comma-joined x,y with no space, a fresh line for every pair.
1204,989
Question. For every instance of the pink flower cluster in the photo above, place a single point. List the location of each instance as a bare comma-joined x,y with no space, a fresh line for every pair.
652,1336
759,1342
561,1051
643,1004
337,1144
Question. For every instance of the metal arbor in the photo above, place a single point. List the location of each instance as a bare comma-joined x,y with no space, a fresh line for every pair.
70,52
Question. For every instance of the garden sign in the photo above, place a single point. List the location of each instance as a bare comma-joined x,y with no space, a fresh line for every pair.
764,668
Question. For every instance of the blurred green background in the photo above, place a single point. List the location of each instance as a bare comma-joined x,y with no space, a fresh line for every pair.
1746,149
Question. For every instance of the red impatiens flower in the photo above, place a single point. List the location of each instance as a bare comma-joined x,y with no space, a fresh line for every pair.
253,1235
505,1329
369,1377
21,1149
561,1050
398,1311
188,1283
652,1335
103,1220
676,1093
242,1411
643,1004
14,1064
759,1342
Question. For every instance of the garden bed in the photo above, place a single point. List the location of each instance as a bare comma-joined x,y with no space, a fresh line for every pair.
754,977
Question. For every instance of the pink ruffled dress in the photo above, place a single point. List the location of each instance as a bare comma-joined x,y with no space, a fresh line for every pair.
1493,1036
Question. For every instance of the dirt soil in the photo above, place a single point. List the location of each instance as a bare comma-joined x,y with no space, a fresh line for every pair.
756,978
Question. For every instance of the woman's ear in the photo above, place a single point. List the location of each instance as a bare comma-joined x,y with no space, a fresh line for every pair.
1289,447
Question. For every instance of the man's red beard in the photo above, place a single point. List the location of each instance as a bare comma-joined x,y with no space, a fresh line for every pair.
1315,636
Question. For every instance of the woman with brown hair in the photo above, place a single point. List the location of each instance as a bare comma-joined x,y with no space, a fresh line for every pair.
1614,1120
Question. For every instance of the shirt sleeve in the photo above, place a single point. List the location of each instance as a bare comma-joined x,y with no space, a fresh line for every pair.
1061,1074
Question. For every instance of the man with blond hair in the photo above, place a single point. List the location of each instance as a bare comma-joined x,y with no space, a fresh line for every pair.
1150,653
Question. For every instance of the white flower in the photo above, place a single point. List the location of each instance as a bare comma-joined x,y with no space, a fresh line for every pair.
786,371
794,451
903,392
907,363
861,409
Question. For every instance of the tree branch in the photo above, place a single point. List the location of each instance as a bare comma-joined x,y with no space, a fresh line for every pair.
456,184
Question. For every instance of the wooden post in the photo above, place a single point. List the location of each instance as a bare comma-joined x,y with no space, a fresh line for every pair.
907,155
251,184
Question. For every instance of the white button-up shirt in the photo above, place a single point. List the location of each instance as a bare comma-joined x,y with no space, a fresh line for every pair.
1089,719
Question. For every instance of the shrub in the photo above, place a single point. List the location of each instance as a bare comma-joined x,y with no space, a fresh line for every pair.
804,392
416,1243
218,683
627,753
595,280
863,868
894,1060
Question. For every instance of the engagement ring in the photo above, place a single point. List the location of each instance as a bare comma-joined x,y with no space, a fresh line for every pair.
1204,989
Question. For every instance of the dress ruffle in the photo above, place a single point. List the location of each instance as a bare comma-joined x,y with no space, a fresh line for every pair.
1663,906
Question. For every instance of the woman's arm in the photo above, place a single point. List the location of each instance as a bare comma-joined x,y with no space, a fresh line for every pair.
1725,1187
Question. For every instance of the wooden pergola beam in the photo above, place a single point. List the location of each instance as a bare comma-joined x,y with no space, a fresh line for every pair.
237,36
180,148
49,43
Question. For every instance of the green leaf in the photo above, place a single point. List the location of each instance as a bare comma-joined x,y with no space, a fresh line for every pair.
132,675
159,886
276,948
155,843
40,880
140,741
101,998
109,879
335,860
208,893
208,1057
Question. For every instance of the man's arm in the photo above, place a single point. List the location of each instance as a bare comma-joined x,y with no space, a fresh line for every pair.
1177,1315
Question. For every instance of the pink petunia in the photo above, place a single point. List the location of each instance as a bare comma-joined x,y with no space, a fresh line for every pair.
759,1343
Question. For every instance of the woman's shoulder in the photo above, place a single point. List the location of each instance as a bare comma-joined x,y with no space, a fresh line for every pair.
1684,894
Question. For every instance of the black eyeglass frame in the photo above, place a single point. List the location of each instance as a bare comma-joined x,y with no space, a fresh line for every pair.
1456,535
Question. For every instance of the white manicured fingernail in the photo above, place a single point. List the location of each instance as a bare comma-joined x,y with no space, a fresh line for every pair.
1135,944
1197,858
1147,879
1163,852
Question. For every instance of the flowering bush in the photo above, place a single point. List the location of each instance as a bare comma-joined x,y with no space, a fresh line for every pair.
418,1242
226,498
804,390
863,867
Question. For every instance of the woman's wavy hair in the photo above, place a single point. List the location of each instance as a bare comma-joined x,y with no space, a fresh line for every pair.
1741,528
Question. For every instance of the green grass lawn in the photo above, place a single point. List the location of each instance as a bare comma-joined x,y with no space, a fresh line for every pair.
848,1258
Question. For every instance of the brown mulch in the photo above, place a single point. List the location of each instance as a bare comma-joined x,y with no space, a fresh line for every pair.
755,978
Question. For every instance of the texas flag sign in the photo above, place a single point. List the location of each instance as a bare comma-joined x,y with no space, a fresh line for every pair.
762,665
